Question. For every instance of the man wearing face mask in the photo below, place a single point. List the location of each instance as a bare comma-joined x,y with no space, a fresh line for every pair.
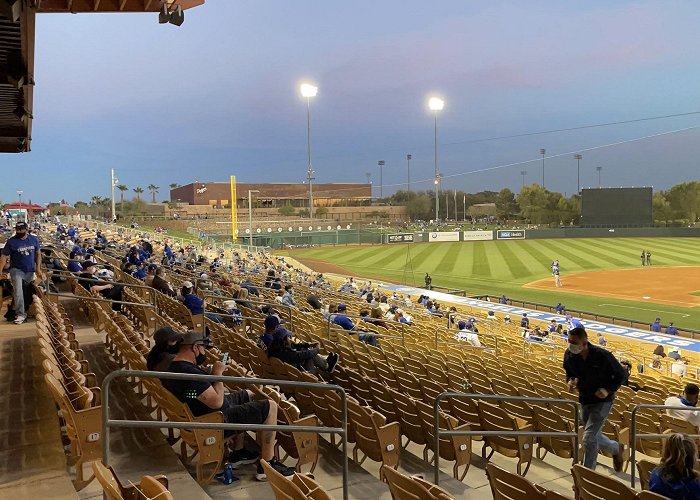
688,398
597,375
204,397
22,252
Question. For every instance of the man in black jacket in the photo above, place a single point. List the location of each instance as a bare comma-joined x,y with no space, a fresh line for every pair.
301,355
597,375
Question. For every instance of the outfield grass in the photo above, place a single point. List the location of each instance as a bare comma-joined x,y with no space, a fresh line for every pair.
502,267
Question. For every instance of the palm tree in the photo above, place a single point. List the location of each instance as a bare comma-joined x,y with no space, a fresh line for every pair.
153,189
121,188
96,200
138,190
174,185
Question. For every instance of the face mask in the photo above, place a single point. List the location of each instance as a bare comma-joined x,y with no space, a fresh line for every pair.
686,402
200,359
575,349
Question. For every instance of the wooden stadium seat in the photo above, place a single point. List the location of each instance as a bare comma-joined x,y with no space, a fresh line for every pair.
644,467
374,437
649,495
494,418
547,420
149,487
403,487
299,487
409,419
508,486
592,485
303,446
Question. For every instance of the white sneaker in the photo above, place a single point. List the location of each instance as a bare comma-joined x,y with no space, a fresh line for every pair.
21,318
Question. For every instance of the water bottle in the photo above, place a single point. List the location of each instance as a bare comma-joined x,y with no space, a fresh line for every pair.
228,474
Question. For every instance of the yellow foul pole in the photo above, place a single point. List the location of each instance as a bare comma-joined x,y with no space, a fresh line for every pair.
234,215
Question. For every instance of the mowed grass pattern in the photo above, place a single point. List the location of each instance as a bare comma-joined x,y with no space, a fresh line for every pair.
502,267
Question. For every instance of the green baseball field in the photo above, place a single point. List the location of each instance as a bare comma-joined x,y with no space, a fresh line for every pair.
601,275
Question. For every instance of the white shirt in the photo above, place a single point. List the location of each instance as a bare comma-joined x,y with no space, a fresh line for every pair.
470,337
679,368
692,416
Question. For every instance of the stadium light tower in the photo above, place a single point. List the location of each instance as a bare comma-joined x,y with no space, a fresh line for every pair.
599,169
578,157
381,164
408,178
19,194
543,152
307,90
523,173
115,181
436,104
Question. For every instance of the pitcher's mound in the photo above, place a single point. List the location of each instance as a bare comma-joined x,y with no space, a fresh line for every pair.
664,285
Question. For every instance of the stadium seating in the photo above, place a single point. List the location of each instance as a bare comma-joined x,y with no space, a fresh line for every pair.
149,488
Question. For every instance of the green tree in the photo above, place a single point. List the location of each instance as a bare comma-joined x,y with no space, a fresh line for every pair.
286,210
321,212
138,190
121,188
506,205
685,200
153,189
661,207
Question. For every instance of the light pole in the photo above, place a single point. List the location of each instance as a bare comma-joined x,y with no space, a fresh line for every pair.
578,157
19,194
408,179
309,91
543,152
436,104
523,173
599,169
115,181
381,164
250,215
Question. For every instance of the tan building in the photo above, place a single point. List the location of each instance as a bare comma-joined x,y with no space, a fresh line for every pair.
273,195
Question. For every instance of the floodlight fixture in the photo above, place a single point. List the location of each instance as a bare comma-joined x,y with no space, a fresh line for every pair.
436,104
308,90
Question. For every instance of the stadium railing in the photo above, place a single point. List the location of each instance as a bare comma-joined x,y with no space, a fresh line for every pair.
108,423
500,433
635,436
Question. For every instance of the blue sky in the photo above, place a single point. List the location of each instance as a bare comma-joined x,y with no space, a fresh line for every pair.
219,95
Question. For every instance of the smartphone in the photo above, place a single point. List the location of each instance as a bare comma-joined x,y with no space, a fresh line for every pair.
224,360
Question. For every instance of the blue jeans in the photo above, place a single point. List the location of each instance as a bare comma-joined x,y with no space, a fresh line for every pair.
368,338
593,417
18,278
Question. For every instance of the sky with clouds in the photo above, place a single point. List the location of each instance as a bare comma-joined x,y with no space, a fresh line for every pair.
219,95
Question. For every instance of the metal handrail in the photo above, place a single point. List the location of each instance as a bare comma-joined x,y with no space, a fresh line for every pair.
379,335
461,395
635,436
49,293
440,329
107,423
261,302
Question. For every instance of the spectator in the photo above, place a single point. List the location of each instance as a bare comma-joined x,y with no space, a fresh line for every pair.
139,272
553,326
506,319
22,253
675,477
525,322
104,287
239,407
463,333
656,325
659,351
195,303
314,302
671,330
628,371
674,353
597,375
503,299
428,281
301,355
601,339
166,344
288,296
689,398
73,263
150,274
559,308
679,368
160,283
346,323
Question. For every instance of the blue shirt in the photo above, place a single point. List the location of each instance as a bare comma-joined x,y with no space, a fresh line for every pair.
194,303
22,252
74,266
685,489
139,273
656,326
672,330
343,321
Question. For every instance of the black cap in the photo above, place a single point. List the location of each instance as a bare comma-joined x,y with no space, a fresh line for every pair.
166,334
21,225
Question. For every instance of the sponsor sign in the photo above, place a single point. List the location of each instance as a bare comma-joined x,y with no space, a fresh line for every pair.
478,235
399,238
510,234
445,236
515,312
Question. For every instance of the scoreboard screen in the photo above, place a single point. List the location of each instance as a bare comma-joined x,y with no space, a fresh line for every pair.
616,207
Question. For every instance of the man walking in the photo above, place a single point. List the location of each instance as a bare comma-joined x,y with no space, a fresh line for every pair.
428,281
648,258
22,252
597,375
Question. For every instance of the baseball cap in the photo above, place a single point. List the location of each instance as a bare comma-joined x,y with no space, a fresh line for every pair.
271,322
568,316
152,267
105,273
188,284
524,315
342,307
21,225
462,325
282,333
192,338
87,264
166,334
204,276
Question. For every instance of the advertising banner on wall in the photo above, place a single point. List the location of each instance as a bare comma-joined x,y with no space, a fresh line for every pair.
510,234
477,235
399,238
446,236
